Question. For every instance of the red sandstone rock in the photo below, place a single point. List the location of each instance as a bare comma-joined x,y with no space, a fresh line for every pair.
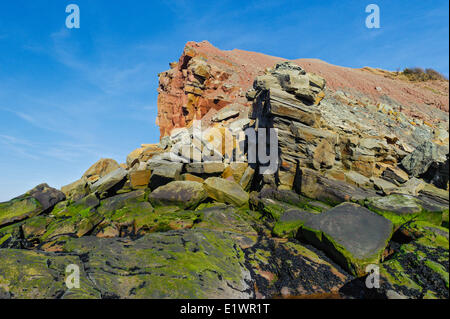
206,79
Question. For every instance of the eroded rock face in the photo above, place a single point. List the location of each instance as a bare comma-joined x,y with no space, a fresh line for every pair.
205,79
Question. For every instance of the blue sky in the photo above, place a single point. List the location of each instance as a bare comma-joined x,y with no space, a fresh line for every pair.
70,97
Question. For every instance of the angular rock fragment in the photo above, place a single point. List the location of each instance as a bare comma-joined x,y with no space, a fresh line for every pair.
165,173
226,191
109,181
140,179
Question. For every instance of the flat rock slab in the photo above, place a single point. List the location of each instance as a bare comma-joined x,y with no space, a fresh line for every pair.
205,168
178,264
352,235
19,209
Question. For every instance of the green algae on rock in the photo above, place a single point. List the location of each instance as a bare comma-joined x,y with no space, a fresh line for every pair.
419,268
176,264
352,235
403,208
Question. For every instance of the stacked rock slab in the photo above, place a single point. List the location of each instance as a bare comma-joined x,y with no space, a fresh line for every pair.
318,132
287,99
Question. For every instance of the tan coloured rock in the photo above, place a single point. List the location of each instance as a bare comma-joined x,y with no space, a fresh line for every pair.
140,179
324,155
191,178
100,169
386,187
226,191
142,154
235,171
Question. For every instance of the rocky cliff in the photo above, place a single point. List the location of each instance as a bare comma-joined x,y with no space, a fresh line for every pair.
272,178
206,79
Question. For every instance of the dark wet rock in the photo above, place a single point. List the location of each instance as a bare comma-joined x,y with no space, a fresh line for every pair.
352,235
289,269
12,236
419,268
438,174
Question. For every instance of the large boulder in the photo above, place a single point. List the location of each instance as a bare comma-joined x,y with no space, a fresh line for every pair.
140,178
226,191
352,235
143,154
184,194
76,190
101,168
47,196
36,201
314,185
